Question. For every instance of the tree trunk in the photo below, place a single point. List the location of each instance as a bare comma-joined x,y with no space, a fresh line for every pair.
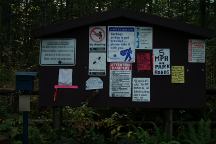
203,13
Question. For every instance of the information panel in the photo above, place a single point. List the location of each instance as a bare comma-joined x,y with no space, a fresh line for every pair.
144,37
141,90
120,79
161,61
97,64
58,52
196,51
121,44
178,75
97,39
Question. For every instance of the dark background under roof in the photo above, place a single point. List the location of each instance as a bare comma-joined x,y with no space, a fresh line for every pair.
109,15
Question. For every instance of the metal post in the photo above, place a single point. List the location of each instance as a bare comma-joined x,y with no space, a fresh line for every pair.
25,127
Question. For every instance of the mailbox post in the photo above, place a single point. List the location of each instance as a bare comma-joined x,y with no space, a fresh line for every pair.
25,85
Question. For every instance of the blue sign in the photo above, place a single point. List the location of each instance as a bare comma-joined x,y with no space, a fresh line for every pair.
121,44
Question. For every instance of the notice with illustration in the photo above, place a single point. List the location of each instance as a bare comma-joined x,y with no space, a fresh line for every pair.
121,44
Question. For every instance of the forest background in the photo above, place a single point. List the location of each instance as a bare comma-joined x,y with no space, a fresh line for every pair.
20,51
18,18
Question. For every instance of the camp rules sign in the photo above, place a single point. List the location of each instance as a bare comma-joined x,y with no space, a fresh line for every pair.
161,61
120,79
196,51
121,44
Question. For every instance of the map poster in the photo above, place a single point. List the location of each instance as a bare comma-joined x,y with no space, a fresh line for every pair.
178,74
143,60
144,37
121,44
196,51
97,64
161,61
97,38
141,90
120,80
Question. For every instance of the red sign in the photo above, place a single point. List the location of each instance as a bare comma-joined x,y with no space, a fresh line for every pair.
120,66
143,61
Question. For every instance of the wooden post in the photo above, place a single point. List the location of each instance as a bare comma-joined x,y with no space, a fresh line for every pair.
57,117
169,123
4,140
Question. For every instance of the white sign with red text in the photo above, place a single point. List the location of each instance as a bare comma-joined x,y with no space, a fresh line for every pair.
120,80
196,51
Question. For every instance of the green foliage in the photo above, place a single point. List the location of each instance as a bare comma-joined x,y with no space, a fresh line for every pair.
6,77
34,136
200,133
142,136
84,124
4,109
210,63
171,142
11,128
118,125
81,126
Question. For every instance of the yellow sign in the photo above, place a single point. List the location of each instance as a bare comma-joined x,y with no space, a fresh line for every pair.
178,75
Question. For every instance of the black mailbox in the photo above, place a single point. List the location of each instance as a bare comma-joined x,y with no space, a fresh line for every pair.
25,81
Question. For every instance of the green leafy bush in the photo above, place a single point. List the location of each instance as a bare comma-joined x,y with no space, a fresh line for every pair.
199,133
6,77
11,127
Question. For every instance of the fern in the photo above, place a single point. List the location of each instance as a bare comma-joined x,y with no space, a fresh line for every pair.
198,134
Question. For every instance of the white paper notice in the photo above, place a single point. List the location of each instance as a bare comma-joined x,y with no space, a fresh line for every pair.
97,64
143,37
121,44
196,51
141,90
94,83
120,80
65,77
58,52
161,61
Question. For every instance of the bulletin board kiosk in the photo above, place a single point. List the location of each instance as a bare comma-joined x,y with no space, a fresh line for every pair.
122,59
